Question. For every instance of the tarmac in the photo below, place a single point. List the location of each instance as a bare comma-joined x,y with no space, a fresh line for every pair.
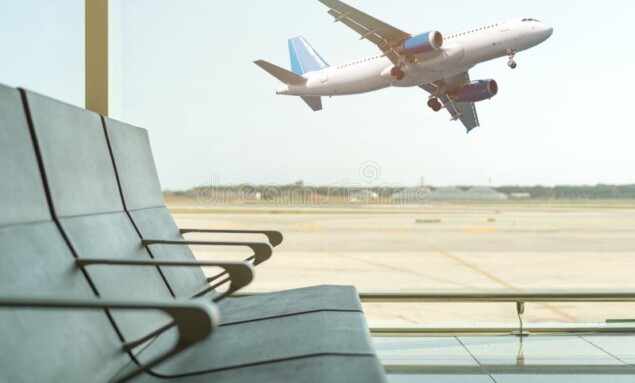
503,246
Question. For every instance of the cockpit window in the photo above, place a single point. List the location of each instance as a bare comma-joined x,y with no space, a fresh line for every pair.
530,20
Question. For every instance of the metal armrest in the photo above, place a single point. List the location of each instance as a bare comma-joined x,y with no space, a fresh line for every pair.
262,251
195,320
275,237
240,273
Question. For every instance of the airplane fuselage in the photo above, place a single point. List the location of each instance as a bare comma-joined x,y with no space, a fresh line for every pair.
461,51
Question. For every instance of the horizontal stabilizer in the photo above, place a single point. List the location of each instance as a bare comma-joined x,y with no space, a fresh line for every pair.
314,102
281,74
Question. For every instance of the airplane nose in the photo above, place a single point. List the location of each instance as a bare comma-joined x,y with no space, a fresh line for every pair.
547,31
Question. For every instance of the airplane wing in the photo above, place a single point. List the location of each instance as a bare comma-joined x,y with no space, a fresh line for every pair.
464,111
385,36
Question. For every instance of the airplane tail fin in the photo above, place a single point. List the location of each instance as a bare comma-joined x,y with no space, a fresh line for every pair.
303,57
281,74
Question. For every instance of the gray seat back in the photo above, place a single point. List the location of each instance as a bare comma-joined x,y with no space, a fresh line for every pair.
143,199
42,345
86,201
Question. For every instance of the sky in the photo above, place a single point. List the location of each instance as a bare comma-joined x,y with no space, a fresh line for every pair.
183,69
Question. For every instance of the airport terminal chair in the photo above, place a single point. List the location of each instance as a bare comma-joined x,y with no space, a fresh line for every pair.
135,164
45,300
143,199
318,346
85,200
194,320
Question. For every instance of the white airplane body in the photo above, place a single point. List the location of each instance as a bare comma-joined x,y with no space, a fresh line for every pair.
429,60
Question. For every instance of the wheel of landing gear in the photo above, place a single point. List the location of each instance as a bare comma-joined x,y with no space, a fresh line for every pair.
431,102
512,64
436,106
400,76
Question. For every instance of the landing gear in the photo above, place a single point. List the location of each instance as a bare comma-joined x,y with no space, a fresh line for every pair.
397,73
434,104
511,53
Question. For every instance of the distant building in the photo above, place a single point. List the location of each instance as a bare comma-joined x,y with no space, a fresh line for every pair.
448,194
478,193
485,193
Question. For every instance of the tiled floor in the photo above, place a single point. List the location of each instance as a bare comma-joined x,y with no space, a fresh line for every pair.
568,358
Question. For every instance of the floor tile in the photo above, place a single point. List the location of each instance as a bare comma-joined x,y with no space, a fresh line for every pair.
422,351
620,346
435,378
560,378
565,351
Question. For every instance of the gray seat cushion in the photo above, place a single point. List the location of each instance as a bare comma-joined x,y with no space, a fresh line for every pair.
246,344
290,302
314,369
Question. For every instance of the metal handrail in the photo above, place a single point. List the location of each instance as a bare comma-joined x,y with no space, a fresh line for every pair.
519,298
500,329
489,296
497,296
514,297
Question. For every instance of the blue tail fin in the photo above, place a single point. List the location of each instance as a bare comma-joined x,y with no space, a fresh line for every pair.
303,57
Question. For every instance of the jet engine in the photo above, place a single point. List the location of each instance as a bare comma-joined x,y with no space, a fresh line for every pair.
423,43
476,91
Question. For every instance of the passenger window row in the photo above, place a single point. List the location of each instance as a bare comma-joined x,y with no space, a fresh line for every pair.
471,31
359,61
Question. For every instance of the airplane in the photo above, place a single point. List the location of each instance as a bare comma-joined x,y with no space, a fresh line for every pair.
436,63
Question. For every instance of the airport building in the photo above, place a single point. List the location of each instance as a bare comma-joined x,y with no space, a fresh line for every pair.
422,193
479,193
